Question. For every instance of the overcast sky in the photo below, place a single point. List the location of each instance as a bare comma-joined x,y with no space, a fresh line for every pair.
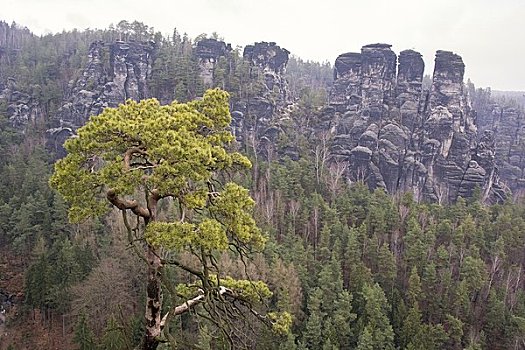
488,34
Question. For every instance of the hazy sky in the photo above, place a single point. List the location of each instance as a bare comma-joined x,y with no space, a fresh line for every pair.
488,34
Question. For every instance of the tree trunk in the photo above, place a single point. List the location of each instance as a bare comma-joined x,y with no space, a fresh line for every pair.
153,301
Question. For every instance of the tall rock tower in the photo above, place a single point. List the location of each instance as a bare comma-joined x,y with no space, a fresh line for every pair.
395,136
114,73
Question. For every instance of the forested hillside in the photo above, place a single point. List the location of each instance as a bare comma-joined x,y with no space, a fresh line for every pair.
357,264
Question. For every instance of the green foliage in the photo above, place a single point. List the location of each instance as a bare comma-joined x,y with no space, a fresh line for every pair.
378,332
83,336
113,338
50,277
174,145
172,151
144,157
179,236
281,322
313,337
452,274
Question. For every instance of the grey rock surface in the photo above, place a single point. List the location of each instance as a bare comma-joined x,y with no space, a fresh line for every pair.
259,115
396,136
114,73
502,142
208,52
23,107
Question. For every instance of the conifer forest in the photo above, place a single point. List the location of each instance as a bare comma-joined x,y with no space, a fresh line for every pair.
166,192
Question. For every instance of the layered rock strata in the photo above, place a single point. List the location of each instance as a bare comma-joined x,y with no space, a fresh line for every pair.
208,53
394,135
256,116
22,108
114,73
506,125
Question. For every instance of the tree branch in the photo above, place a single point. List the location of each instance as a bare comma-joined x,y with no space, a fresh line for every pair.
124,204
184,267
129,153
130,237
189,304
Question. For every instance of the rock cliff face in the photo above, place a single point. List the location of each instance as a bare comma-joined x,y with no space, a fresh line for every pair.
22,108
395,136
114,73
385,129
256,116
208,52
505,127
270,60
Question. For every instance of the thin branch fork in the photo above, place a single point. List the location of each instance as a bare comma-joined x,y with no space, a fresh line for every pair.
184,267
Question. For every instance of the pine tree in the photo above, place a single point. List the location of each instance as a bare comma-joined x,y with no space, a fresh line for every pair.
113,338
176,152
377,332
313,335
83,336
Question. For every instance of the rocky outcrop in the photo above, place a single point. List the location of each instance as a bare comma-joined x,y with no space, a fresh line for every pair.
346,90
258,115
114,73
409,88
268,63
208,52
395,136
388,130
22,108
505,123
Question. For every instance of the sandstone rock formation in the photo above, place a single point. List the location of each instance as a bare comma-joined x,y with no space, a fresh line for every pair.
395,136
256,116
114,73
23,108
208,52
502,126
271,61
384,127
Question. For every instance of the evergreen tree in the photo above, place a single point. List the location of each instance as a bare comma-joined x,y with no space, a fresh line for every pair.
313,335
83,336
377,332
175,152
113,338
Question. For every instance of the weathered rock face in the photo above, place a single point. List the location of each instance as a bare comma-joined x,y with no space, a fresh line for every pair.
208,52
20,104
114,73
506,151
378,74
256,117
409,88
23,108
395,136
365,81
268,61
346,90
